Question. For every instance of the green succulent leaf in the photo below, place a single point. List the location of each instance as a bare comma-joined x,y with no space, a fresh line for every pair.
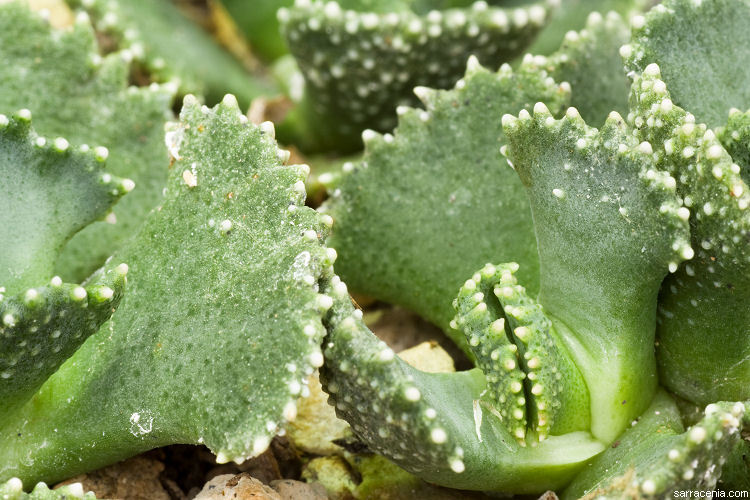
658,457
50,191
13,490
172,47
434,425
590,62
531,381
354,80
445,201
691,42
608,226
735,137
697,360
221,324
75,93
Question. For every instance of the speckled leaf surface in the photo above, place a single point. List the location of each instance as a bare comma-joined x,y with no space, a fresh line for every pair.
13,490
609,228
76,94
608,225
221,323
697,360
377,52
532,383
43,326
698,45
433,424
445,200
590,61
173,47
50,191
659,458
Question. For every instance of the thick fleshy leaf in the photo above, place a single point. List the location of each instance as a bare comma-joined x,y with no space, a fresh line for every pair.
75,93
698,45
361,58
697,360
532,384
608,227
434,425
221,324
50,191
444,199
658,458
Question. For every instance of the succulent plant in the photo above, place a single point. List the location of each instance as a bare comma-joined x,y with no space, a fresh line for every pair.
221,315
615,211
406,259
555,254
454,188
717,278
45,320
571,16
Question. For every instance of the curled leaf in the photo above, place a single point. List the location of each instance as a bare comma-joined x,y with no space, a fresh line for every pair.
531,381
433,424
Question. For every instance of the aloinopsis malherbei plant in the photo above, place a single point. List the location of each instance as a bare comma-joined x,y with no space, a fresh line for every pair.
597,278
